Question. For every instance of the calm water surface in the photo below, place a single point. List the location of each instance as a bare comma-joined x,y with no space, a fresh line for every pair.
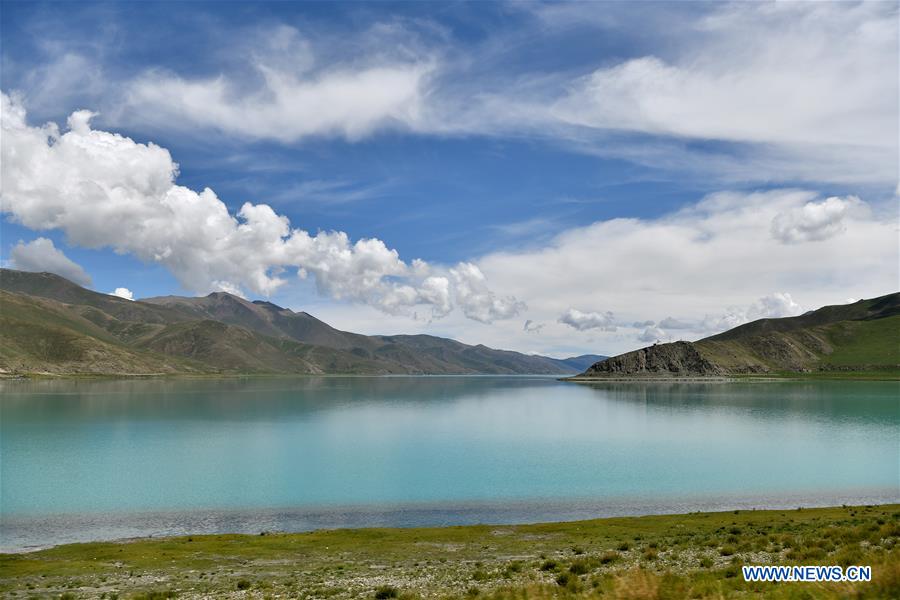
83,460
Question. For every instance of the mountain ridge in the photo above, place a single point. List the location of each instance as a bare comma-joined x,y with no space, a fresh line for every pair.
217,333
859,337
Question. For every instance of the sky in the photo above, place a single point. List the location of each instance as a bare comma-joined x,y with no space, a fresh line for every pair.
554,178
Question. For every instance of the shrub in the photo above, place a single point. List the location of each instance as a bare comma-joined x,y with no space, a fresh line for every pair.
579,568
548,565
814,553
609,557
243,584
623,547
385,592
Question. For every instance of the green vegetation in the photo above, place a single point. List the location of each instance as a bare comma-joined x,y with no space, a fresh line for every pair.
49,325
865,343
660,557
852,341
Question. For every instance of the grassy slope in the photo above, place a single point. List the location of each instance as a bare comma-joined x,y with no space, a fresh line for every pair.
679,556
45,336
865,343
224,333
872,345
859,340
864,335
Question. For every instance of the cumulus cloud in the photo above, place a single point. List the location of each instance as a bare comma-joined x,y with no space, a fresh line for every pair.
772,306
583,321
652,334
816,221
775,305
41,255
692,264
105,190
122,293
291,98
477,301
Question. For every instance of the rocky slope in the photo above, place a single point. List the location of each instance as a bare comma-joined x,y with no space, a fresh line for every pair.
677,358
861,337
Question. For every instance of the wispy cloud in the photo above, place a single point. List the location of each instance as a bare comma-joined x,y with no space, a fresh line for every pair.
789,92
328,192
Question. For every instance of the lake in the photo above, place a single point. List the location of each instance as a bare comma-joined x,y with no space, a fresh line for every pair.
105,459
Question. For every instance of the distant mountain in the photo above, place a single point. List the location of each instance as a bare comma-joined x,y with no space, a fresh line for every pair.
580,363
863,336
51,325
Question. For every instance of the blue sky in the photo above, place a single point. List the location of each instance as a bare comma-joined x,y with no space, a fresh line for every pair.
566,173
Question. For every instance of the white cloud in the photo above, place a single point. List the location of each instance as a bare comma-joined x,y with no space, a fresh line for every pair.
122,293
772,306
713,264
583,321
105,190
691,265
652,334
800,91
673,323
41,255
775,305
816,221
818,81
291,97
477,301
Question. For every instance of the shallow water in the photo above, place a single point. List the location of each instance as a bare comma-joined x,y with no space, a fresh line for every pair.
97,459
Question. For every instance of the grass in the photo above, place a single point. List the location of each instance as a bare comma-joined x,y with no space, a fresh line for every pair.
865,343
676,556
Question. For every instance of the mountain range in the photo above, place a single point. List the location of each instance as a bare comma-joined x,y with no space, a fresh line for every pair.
49,325
860,337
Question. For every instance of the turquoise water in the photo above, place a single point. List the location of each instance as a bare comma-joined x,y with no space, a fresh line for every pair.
98,459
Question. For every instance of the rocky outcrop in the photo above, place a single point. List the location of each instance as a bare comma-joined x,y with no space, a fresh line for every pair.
678,359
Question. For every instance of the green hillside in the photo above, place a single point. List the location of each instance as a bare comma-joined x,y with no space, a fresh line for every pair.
51,325
43,336
858,338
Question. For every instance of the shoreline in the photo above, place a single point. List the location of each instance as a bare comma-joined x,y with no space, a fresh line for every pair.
28,533
769,378
685,555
